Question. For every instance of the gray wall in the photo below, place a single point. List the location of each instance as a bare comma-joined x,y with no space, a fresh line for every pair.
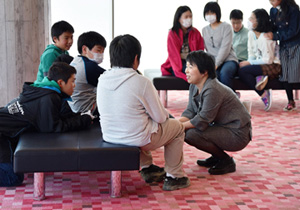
24,34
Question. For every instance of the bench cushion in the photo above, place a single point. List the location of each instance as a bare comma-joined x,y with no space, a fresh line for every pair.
73,151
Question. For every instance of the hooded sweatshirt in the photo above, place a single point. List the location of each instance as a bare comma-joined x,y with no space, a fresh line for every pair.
129,107
48,57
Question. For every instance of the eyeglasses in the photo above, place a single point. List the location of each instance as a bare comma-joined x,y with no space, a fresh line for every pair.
212,41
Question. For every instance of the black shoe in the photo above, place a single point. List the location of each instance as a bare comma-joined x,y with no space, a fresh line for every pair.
209,162
175,183
153,174
223,167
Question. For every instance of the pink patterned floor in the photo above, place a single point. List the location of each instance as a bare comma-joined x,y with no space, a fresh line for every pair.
267,176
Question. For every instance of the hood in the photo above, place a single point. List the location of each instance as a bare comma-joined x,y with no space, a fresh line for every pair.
54,48
113,78
46,83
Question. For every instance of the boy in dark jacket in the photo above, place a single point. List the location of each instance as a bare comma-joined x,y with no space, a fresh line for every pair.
41,107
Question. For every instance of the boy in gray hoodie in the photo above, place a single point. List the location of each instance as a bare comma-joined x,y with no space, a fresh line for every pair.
132,114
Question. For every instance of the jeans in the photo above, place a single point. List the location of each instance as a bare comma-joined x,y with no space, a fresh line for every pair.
226,72
248,75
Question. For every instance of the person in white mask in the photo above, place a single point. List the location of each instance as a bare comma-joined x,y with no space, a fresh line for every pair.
91,46
182,39
218,42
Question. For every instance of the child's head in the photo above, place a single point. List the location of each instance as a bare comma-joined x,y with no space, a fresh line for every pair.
64,75
260,21
125,51
212,12
236,19
91,45
62,35
182,18
198,65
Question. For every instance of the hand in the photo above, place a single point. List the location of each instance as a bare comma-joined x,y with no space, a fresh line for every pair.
244,63
269,35
89,113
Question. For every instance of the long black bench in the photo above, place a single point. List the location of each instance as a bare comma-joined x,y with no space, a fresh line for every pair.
73,151
165,83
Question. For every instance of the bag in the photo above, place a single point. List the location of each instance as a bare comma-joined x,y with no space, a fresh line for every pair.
271,70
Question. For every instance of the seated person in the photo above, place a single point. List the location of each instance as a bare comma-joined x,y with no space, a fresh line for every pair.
132,114
37,108
262,62
182,39
91,47
215,120
240,35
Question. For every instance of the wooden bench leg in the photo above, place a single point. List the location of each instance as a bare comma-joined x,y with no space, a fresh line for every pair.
39,186
163,94
296,94
116,184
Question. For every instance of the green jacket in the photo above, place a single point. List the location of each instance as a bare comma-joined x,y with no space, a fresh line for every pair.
48,57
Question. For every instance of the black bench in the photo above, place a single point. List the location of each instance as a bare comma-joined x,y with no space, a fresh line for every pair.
73,151
165,83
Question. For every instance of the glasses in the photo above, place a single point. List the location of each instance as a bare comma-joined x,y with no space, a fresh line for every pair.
212,41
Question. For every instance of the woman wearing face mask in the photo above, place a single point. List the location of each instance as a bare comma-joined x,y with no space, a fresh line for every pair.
218,42
182,39
262,62
285,17
91,47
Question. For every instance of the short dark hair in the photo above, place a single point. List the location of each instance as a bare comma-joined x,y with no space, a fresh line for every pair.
123,49
213,7
263,21
236,14
90,39
176,24
204,61
60,27
60,70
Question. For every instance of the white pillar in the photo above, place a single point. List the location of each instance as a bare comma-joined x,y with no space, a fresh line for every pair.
24,34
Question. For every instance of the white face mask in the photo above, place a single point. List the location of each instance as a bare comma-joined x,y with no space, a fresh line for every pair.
98,57
250,25
211,18
187,22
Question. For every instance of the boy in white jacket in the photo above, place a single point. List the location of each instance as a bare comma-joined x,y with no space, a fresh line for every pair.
132,114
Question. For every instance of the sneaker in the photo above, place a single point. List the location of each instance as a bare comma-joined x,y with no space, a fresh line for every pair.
175,183
267,99
261,82
223,167
209,162
290,107
153,174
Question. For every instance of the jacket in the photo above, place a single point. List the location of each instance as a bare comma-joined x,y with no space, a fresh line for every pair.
174,46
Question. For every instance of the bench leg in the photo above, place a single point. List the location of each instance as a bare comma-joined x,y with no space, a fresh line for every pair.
39,186
163,94
116,184
296,94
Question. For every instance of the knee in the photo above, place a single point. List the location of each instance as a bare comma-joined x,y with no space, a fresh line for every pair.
190,137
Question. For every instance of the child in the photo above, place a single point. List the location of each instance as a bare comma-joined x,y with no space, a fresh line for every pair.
62,36
91,47
39,107
131,114
215,120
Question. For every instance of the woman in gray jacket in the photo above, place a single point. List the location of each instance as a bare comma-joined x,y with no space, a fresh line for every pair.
215,120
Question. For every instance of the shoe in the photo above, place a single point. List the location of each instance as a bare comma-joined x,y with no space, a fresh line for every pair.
290,107
261,82
209,162
153,174
176,183
267,99
223,167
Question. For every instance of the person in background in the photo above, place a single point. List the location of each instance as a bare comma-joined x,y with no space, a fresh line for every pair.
215,120
62,36
218,42
182,39
285,17
240,35
262,62
131,114
91,46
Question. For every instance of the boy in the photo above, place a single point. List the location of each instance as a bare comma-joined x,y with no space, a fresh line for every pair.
240,35
91,47
39,107
62,36
131,114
